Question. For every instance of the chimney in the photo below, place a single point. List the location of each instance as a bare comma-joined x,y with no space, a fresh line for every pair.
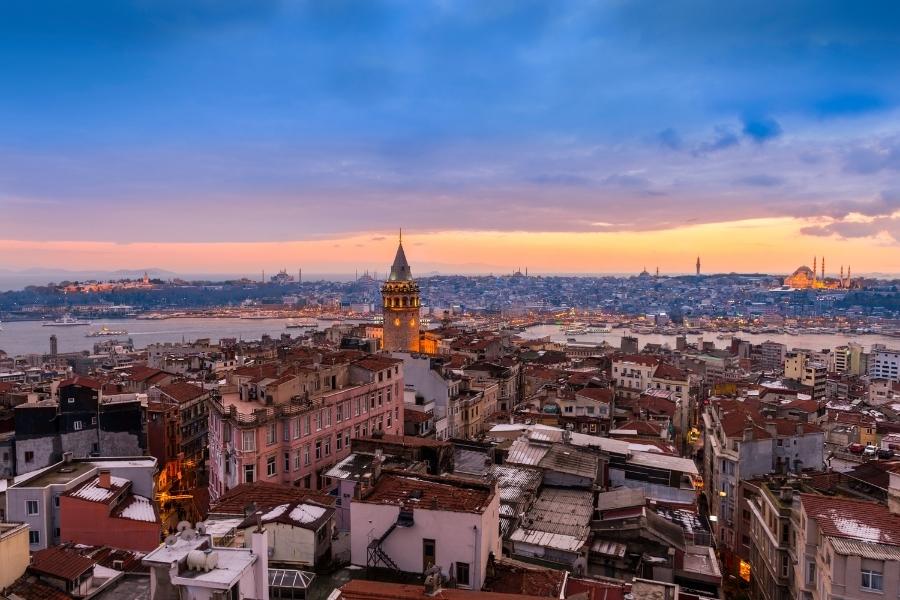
800,429
104,478
748,434
772,429
67,457
259,543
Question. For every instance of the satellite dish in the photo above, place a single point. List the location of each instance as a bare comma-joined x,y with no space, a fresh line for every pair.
189,535
182,525
170,540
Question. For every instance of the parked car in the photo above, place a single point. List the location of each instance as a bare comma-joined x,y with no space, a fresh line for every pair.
885,453
870,450
856,448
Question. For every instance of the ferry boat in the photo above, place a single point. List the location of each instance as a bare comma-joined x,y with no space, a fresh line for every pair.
306,323
599,329
66,321
105,331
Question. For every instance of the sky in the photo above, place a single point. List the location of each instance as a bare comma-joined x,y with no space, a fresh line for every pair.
577,136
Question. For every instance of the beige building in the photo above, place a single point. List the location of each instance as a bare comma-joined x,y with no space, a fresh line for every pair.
13,552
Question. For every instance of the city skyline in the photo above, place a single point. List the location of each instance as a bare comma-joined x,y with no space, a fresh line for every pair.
607,137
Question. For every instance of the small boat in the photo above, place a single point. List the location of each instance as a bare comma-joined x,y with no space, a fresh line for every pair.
66,321
106,331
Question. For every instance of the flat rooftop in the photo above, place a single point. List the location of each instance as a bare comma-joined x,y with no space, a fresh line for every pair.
62,473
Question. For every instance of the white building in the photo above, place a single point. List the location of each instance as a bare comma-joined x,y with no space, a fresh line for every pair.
299,532
189,567
884,363
411,523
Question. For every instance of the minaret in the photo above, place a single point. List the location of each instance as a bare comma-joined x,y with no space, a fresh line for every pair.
814,269
849,279
657,272
400,305
698,266
823,268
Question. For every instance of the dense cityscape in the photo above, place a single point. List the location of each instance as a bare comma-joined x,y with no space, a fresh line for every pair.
388,447
449,300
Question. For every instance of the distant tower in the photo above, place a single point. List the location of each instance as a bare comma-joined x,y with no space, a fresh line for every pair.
842,275
54,345
657,272
849,280
698,266
400,302
823,268
814,268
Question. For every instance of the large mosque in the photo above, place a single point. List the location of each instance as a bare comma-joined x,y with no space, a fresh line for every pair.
805,278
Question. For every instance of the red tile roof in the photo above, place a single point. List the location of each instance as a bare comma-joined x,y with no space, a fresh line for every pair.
853,519
264,495
599,394
359,589
594,590
31,588
667,371
60,563
430,493
377,363
140,373
183,391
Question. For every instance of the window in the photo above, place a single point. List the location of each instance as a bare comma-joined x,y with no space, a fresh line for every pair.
871,580
462,574
287,431
306,455
306,425
77,425
296,427
93,420
287,462
248,440
347,438
327,446
271,434
811,573
270,466
339,442
34,537
339,411
249,473
318,449
29,456
55,500
296,460
31,507
429,548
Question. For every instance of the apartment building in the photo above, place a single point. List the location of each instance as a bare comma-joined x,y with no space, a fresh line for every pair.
296,440
884,363
741,442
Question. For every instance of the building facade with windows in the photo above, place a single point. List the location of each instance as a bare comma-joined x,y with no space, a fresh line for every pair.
297,441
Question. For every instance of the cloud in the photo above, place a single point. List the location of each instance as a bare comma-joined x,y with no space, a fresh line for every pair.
378,238
627,180
669,138
876,156
761,129
761,180
724,138
559,179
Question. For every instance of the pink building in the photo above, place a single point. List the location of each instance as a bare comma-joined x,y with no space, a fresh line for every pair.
296,440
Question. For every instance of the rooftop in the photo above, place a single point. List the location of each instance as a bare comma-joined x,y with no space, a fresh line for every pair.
359,589
427,493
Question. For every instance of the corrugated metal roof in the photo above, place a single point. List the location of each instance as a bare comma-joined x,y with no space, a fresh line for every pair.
849,547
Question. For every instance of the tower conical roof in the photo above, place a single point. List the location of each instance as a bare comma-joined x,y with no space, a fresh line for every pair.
400,270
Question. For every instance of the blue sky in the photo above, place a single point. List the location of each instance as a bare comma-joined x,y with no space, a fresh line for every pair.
249,120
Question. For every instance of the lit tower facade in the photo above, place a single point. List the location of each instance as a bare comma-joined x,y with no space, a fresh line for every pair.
698,266
400,303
